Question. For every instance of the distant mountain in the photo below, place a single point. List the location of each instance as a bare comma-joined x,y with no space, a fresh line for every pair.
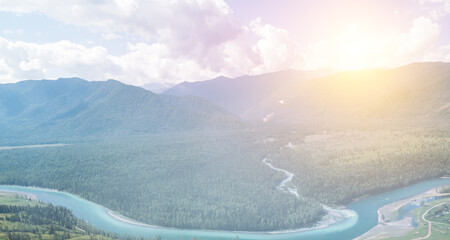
157,87
240,94
419,91
75,107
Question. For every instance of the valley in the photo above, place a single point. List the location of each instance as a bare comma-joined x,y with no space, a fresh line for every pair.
182,162
361,220
224,120
105,171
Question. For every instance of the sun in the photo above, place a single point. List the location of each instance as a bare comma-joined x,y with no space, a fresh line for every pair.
353,49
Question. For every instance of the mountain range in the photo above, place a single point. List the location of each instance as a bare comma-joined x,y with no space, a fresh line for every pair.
240,94
418,91
75,107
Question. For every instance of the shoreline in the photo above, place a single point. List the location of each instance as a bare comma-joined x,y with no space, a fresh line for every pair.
388,225
124,219
34,146
19,194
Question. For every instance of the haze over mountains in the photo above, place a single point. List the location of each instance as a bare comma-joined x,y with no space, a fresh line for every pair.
414,91
159,158
75,107
418,90
68,107
240,94
157,87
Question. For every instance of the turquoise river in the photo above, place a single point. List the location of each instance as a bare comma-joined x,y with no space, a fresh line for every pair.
364,219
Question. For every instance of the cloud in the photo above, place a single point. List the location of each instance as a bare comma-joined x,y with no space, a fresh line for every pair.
440,54
276,48
436,8
177,41
23,60
111,36
419,38
155,62
191,28
6,72
193,40
32,64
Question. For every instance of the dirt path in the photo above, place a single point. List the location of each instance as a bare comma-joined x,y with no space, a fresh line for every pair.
429,222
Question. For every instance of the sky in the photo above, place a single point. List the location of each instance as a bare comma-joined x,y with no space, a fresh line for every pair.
170,41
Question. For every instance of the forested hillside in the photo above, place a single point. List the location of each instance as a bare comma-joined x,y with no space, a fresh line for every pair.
75,108
216,180
180,161
336,167
24,219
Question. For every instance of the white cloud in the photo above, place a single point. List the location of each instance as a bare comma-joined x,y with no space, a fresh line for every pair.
111,36
6,71
154,62
193,40
32,64
440,54
179,41
188,27
436,8
276,48
419,38
22,60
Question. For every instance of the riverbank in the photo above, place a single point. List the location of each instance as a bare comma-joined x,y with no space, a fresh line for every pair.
333,216
388,224
19,194
124,219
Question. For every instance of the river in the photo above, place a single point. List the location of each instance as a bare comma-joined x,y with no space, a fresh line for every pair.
364,220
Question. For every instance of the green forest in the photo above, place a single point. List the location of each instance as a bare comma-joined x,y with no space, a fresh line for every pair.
346,165
195,180
216,180
24,219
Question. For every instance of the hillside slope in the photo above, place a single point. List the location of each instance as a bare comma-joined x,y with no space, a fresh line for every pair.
418,91
75,107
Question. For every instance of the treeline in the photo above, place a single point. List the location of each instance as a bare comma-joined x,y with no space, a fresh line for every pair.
39,215
49,222
444,189
338,167
22,222
196,180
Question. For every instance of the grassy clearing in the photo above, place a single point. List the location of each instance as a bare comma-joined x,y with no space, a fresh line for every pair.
24,219
440,228
17,200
